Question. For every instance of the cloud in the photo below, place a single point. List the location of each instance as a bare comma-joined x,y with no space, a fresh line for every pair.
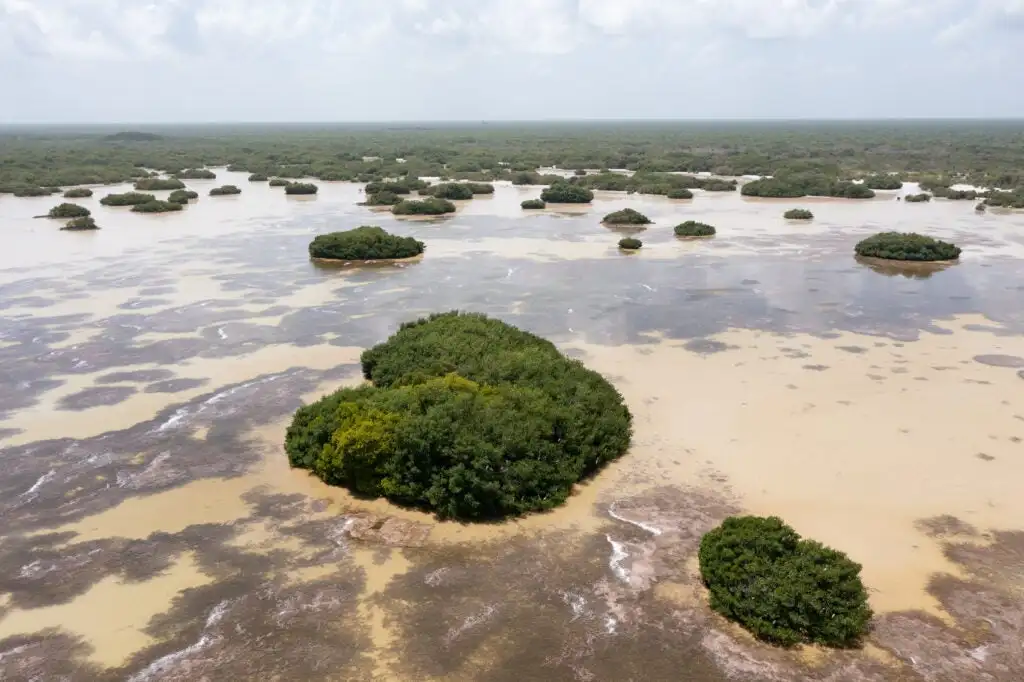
404,59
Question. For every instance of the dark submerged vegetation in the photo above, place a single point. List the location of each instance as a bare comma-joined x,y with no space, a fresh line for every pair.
153,184
67,210
224,190
798,214
182,196
81,223
917,198
300,188
630,244
906,246
566,193
127,199
78,193
626,216
428,206
533,204
363,243
693,228
782,588
467,417
156,206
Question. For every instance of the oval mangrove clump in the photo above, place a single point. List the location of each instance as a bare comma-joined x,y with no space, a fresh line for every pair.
127,199
798,214
626,216
257,177
883,181
630,244
278,182
78,193
692,228
480,187
363,243
153,184
383,198
782,588
906,246
429,206
35,191
182,196
918,198
156,206
533,204
300,188
467,417
566,193
718,185
453,191
67,210
224,190
81,223
679,193
196,174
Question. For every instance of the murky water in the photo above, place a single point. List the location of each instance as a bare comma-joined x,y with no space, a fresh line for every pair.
153,530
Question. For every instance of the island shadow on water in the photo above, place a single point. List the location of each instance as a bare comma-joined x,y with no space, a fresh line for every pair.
277,576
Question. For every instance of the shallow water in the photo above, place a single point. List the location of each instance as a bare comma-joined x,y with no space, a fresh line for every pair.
153,530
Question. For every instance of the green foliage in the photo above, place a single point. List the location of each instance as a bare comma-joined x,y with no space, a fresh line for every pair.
692,228
428,206
917,198
392,187
679,193
453,191
802,185
907,246
580,172
533,204
566,193
78,193
958,194
133,136
718,185
196,174
481,187
626,216
157,207
278,182
182,196
383,198
466,416
883,181
34,191
127,199
258,177
937,184
66,210
798,214
535,178
364,243
153,184
630,243
224,190
782,588
1013,199
81,223
300,188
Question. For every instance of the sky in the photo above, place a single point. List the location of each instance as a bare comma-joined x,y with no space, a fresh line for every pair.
99,61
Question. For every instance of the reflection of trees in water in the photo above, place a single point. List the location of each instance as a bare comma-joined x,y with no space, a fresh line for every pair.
908,269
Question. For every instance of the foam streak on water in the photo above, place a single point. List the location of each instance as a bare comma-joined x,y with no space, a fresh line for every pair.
162,665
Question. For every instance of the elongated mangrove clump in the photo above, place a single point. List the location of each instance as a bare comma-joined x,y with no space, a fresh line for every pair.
906,246
364,243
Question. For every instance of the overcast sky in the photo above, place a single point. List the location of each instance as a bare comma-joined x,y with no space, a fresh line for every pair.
368,60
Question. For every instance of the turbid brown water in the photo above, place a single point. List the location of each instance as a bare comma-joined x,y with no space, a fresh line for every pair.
152,529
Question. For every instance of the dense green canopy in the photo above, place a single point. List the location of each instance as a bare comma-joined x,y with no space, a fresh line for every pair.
78,193
225,190
127,199
453,191
918,198
883,181
153,184
66,210
466,416
782,588
802,185
679,193
81,223
383,198
630,243
428,206
693,228
278,182
798,214
157,207
363,243
258,177
300,188
533,204
196,174
182,196
626,216
566,193
906,246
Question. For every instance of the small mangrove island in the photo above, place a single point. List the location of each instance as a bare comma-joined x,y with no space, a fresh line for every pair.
300,188
78,193
196,174
453,191
798,214
382,198
257,177
630,244
533,204
906,246
782,588
363,244
157,206
182,196
81,223
67,210
566,193
224,190
278,182
883,181
465,416
429,206
127,199
35,191
692,228
681,193
626,216
917,198
153,184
